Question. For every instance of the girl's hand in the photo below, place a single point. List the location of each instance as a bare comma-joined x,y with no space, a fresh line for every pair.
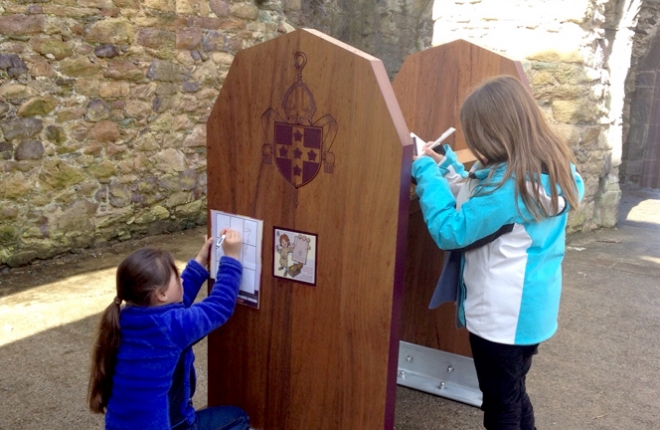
431,153
204,253
232,244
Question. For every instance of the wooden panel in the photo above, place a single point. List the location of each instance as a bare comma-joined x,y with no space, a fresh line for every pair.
430,88
324,356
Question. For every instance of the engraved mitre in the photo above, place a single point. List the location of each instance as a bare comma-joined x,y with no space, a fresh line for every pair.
298,103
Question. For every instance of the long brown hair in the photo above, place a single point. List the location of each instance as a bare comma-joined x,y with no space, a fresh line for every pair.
138,276
503,124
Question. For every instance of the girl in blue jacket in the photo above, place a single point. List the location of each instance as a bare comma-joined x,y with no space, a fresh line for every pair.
142,374
507,219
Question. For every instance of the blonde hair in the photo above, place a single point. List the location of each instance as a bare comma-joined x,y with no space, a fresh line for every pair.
503,124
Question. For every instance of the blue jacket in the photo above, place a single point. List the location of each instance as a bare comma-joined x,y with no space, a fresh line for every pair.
510,273
155,339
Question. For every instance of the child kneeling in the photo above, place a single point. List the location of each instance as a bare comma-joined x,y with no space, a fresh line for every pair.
142,373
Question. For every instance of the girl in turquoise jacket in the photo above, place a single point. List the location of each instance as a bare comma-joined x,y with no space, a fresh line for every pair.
507,219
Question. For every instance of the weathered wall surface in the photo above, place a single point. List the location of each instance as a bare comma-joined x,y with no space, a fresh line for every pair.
576,54
103,103
103,106
387,29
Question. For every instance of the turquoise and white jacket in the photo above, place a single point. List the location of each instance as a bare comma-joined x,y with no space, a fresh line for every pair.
511,265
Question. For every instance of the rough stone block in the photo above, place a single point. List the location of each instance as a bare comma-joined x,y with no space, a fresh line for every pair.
190,87
104,131
106,51
124,70
162,5
219,7
97,111
188,179
14,93
207,23
114,31
103,170
68,11
55,134
78,66
244,10
58,174
114,90
170,159
573,111
214,41
6,150
156,38
4,109
127,4
37,106
21,127
185,7
292,5
53,47
233,24
189,38
21,25
101,4
167,72
13,64
138,109
29,150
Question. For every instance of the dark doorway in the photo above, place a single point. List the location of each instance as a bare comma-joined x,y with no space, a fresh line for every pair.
642,148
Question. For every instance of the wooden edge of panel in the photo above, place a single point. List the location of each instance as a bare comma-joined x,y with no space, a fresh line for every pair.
399,122
340,44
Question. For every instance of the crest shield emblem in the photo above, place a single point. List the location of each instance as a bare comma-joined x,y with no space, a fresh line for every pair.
298,151
299,144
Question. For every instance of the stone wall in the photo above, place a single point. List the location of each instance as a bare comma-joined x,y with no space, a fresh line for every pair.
576,54
103,103
387,29
103,106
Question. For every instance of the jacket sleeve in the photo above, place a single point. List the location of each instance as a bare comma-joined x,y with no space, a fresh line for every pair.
452,170
479,217
191,324
193,277
579,183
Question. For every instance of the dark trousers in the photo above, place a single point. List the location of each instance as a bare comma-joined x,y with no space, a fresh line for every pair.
501,370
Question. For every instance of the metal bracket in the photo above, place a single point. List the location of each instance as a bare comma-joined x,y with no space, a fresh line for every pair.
439,373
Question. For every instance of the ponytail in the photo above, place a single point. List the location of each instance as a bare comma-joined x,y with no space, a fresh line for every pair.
104,358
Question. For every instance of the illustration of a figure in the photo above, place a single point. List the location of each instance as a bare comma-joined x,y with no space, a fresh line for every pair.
300,249
284,249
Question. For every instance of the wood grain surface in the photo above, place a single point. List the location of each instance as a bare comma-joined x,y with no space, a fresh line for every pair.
324,356
430,88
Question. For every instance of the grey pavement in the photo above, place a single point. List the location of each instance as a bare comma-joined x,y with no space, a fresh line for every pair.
600,371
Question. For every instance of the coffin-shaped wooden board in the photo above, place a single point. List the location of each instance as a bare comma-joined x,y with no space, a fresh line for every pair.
430,88
320,356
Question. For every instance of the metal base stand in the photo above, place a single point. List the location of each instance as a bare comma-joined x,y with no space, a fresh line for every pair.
439,373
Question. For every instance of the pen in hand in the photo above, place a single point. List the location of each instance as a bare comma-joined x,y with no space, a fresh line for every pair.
222,239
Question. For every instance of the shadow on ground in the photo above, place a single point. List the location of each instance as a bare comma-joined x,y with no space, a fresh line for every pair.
600,371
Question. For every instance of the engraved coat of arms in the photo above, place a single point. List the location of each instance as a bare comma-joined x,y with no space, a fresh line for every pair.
299,144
